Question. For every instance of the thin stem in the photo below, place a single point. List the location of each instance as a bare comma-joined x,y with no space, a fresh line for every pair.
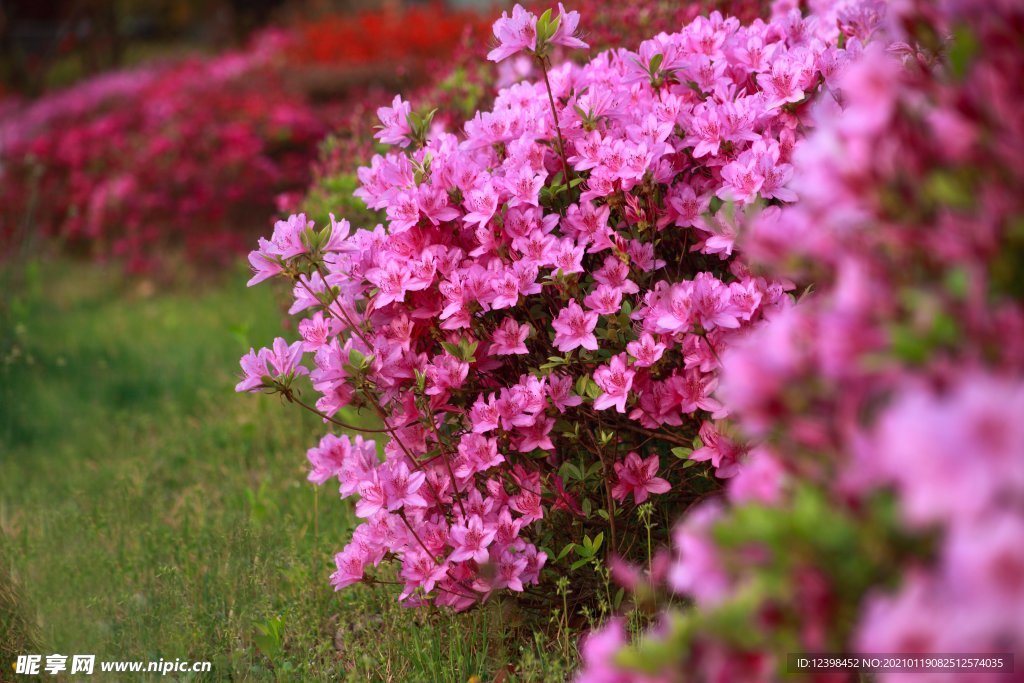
446,451
356,331
554,115
711,348
437,562
664,436
288,394
609,500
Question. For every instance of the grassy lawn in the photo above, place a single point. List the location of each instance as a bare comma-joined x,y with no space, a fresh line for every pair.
147,512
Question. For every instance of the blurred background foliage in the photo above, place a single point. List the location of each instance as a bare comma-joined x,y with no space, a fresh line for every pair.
55,43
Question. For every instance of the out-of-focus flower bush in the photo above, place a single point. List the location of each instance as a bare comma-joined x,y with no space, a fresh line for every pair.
539,320
411,37
881,508
189,154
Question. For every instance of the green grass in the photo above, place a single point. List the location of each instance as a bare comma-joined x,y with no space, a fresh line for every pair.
147,511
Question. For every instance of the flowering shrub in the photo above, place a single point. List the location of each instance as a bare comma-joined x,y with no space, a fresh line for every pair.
539,323
880,509
463,82
169,154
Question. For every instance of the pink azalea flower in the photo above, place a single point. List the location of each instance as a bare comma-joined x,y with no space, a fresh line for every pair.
339,234
506,528
694,391
328,458
559,388
511,566
574,328
317,331
254,369
742,179
781,85
675,312
514,34
349,565
403,211
590,223
529,505
477,454
286,242
433,203
615,379
646,351
568,23
506,291
615,273
372,497
537,434
510,338
705,131
723,452
470,540
481,203
420,571
394,129
638,477
567,258
264,265
284,359
401,486
392,280
359,465
712,303
604,299
524,186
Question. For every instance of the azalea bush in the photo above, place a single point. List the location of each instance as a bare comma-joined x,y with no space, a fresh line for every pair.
182,155
537,326
881,508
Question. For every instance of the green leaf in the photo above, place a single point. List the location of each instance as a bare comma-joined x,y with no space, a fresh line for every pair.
543,19
656,61
570,470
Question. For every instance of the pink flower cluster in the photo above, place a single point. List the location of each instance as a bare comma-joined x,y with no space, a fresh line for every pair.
176,154
895,391
556,282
